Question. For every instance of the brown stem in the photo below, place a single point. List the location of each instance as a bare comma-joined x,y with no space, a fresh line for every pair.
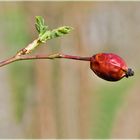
53,56
8,61
75,57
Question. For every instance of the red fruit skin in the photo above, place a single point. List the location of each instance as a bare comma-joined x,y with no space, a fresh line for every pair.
108,66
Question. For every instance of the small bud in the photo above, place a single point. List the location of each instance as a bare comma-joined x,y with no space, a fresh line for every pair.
110,67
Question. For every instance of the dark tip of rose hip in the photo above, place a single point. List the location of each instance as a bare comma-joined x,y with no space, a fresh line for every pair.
129,72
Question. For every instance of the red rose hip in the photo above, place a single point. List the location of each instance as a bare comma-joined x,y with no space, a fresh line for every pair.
109,66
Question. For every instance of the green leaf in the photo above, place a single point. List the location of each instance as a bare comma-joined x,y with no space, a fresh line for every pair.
46,34
44,37
60,31
40,25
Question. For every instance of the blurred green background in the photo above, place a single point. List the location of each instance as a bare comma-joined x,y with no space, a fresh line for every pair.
64,98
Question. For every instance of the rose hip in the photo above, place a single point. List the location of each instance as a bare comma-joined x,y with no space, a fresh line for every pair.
107,66
110,67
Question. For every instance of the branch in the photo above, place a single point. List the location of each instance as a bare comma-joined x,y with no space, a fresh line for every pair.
31,57
44,35
53,56
8,61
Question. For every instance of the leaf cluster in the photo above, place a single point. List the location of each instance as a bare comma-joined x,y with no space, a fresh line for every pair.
46,34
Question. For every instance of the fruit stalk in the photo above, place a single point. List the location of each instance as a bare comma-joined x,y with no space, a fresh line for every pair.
52,56
74,57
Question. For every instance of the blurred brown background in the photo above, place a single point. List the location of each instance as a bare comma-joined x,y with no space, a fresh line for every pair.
63,98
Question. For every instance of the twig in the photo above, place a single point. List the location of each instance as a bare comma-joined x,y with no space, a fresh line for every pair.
44,35
31,57
8,61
